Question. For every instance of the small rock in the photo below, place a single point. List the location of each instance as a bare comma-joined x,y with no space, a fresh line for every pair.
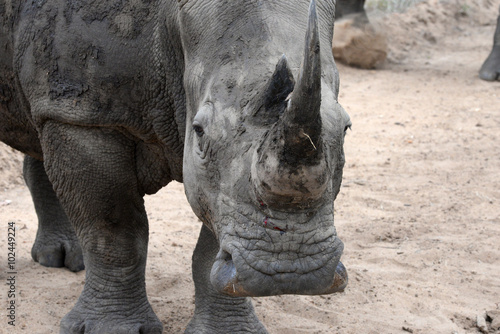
357,46
430,37
481,323
493,316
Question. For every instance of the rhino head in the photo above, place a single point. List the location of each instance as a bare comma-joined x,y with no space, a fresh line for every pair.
263,152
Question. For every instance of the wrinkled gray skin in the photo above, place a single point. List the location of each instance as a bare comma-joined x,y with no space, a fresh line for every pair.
112,100
490,70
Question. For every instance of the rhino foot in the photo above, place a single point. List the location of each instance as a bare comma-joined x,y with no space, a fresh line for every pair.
56,244
82,320
51,251
206,326
490,71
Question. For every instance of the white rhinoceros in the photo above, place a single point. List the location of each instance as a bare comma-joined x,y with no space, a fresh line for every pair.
111,100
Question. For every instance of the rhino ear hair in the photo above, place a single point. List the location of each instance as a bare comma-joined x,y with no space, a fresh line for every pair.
275,95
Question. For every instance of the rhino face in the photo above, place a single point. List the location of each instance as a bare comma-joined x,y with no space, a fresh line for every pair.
263,154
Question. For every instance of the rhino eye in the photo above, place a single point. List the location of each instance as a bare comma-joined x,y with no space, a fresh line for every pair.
198,129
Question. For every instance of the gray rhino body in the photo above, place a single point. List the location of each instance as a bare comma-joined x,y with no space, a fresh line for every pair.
112,100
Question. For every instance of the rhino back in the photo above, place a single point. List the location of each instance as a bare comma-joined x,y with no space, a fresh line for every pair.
106,64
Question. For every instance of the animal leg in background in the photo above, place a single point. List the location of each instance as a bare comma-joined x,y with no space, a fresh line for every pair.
490,70
56,244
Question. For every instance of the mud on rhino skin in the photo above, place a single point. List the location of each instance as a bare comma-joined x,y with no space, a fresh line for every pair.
112,100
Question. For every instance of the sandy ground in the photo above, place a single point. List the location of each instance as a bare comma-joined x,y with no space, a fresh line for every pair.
419,210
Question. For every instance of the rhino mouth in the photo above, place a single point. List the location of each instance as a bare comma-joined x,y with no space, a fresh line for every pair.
263,261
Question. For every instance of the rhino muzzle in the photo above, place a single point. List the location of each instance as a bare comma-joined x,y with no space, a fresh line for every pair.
225,279
265,252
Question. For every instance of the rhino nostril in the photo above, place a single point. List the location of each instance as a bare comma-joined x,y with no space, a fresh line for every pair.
224,277
225,256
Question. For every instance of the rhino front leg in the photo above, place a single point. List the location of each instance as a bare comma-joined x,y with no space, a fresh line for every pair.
216,313
93,173
56,244
490,70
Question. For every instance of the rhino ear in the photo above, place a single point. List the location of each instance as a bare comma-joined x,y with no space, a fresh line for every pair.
280,85
275,95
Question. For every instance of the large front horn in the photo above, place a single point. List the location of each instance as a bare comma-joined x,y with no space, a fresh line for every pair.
302,119
289,167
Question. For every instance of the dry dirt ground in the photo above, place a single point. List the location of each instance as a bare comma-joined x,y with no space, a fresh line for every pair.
419,210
